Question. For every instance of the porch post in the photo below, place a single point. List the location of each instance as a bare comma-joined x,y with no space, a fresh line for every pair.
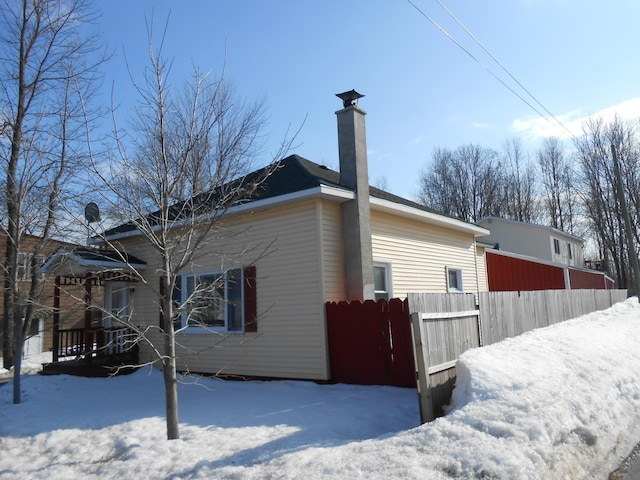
56,319
88,336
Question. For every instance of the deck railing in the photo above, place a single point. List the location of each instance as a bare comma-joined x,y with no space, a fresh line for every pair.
97,342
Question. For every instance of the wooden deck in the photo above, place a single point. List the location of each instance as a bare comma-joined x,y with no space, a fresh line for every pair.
105,366
97,352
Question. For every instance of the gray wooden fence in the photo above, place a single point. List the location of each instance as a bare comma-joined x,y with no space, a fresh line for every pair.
445,325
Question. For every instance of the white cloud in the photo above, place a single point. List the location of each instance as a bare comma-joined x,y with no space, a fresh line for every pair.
480,125
537,128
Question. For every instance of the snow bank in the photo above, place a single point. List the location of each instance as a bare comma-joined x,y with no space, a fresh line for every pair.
559,402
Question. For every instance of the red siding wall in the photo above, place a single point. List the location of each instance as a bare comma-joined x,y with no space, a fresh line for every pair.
581,279
506,273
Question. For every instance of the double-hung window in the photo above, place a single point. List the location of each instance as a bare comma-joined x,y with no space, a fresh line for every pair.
382,280
213,300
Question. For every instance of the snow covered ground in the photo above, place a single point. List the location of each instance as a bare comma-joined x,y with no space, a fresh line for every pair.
559,402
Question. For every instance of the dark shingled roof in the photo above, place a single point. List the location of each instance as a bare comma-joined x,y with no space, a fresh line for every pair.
293,174
105,256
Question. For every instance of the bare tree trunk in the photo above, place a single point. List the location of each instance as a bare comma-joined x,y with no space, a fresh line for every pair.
169,358
17,359
171,386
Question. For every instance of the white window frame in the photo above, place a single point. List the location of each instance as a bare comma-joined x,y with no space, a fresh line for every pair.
557,247
24,265
570,250
386,264
459,288
187,327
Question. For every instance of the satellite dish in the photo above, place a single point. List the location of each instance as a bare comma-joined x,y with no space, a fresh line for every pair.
92,213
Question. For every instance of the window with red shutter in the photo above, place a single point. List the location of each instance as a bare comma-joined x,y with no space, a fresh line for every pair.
217,301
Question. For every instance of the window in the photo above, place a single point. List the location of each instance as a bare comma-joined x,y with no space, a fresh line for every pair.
454,280
24,265
214,300
382,280
556,246
569,250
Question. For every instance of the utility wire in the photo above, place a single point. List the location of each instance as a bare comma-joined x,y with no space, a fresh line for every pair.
486,50
508,87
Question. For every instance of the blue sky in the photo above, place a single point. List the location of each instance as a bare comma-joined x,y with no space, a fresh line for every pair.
577,57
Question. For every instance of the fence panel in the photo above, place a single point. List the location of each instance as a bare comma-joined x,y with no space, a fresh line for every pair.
370,343
439,339
402,363
508,314
444,327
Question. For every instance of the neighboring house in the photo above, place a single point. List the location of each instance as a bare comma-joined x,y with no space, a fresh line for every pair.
537,241
40,337
310,235
523,256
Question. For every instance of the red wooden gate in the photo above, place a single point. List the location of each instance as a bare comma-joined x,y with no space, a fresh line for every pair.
370,343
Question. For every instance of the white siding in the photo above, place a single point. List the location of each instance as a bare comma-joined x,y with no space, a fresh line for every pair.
533,240
420,254
519,238
291,336
481,263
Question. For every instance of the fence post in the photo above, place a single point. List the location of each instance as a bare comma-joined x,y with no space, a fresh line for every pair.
421,357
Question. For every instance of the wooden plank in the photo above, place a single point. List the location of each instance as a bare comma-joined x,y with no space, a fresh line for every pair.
445,315
441,367
421,355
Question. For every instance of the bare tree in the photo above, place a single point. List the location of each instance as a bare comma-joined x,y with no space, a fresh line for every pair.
520,185
466,183
602,204
560,194
181,166
44,74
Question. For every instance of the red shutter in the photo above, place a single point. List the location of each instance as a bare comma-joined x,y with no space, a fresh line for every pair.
250,300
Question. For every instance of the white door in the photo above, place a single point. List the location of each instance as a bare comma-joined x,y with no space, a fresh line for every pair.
117,304
117,315
33,343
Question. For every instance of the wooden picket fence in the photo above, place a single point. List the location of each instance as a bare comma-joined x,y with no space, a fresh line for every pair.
445,325
374,343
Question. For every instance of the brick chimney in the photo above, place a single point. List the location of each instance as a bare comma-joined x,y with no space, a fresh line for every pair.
356,213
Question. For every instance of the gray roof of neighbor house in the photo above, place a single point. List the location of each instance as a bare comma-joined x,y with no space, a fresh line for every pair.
92,258
484,222
292,174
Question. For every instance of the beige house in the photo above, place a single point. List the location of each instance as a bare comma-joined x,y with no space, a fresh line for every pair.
537,241
313,235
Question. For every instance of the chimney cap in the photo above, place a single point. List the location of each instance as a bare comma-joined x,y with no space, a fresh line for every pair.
349,98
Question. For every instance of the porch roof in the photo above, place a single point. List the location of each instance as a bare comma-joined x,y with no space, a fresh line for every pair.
77,262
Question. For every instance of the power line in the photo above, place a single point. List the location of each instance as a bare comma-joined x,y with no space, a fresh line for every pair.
508,87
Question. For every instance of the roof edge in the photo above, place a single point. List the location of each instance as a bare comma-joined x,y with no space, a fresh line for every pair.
430,217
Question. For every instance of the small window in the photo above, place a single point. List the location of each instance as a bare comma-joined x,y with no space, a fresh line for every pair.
24,265
454,280
569,250
382,280
556,246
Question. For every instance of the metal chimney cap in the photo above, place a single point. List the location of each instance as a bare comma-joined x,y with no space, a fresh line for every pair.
349,98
